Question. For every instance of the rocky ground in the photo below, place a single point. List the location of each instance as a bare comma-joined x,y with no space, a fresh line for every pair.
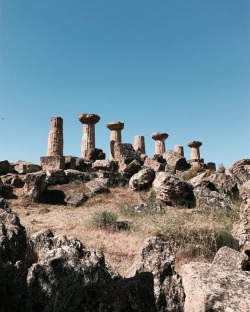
163,250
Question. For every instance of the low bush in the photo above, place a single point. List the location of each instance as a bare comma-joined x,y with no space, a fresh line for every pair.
104,220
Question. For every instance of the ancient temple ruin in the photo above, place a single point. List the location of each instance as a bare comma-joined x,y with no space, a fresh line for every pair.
119,151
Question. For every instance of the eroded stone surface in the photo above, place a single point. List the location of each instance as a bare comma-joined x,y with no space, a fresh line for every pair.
158,257
172,190
142,180
220,286
55,141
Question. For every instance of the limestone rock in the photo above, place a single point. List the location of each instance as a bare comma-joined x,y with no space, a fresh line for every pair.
34,184
172,190
224,183
82,165
13,272
55,176
241,170
124,153
5,167
220,286
24,167
107,165
241,229
94,154
213,200
175,161
1,185
62,264
158,257
142,179
69,162
132,167
98,186
75,175
75,198
145,208
154,164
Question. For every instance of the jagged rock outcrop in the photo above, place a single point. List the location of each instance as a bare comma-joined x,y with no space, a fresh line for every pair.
220,286
241,170
52,273
224,184
172,190
241,229
13,271
142,179
158,257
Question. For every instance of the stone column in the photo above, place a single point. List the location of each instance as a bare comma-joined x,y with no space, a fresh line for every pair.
115,135
139,144
55,141
195,151
159,142
178,149
88,131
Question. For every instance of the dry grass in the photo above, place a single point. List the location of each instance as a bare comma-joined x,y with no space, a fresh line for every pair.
120,247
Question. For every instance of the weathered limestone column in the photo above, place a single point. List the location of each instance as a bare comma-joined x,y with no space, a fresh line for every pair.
159,142
88,131
139,144
178,149
55,141
195,149
115,135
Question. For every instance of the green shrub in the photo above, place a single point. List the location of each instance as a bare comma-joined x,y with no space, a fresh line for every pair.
104,220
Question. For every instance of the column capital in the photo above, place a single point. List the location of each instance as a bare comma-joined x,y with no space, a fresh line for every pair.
88,118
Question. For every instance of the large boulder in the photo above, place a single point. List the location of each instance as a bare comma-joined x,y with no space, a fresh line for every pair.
142,180
157,256
241,229
241,170
213,200
5,167
174,161
98,186
75,198
172,190
224,183
220,286
34,185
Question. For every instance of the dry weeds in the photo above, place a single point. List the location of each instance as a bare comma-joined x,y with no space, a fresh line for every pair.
120,247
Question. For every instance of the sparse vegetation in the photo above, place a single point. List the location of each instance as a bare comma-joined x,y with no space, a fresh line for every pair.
221,168
199,232
104,220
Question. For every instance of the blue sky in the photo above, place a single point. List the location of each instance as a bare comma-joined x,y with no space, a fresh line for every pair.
175,66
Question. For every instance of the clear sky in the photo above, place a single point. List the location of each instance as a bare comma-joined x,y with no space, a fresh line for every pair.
175,66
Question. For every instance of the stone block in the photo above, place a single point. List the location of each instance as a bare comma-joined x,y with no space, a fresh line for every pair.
70,162
52,162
